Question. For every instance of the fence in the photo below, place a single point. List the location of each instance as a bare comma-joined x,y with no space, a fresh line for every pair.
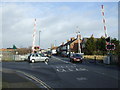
9,56
98,57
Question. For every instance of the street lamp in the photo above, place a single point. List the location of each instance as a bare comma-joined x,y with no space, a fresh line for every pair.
39,38
55,43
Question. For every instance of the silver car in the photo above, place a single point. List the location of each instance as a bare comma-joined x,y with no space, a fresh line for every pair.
36,57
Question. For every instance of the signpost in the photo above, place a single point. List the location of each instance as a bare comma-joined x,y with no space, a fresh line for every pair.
14,47
109,47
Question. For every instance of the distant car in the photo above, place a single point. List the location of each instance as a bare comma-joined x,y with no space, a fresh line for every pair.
76,58
64,55
36,57
48,54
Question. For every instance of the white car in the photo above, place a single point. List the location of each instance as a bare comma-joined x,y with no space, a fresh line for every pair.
36,57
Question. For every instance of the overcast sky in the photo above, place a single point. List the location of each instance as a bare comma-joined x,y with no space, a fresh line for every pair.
56,20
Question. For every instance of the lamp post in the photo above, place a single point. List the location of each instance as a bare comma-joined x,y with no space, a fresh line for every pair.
55,43
39,38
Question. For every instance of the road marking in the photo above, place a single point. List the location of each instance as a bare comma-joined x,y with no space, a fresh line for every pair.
62,67
69,68
82,78
61,70
37,80
61,60
77,69
46,63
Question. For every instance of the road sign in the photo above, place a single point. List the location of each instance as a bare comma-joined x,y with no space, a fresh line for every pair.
107,39
110,46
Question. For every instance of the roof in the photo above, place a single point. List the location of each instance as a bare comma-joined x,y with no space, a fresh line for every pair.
6,49
54,48
67,43
70,42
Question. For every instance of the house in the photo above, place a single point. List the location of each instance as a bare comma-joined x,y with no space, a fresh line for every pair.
54,50
71,46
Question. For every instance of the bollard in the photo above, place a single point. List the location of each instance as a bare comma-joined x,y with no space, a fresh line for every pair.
95,59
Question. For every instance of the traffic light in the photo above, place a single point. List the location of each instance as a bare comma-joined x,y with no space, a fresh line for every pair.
107,39
110,46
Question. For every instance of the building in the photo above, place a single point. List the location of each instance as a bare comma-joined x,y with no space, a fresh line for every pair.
71,46
54,50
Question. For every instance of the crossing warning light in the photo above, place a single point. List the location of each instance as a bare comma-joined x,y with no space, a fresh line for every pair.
110,46
36,47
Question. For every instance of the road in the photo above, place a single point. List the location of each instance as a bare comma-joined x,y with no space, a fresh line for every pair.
60,73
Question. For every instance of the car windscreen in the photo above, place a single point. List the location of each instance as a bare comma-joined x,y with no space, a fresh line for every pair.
41,54
77,55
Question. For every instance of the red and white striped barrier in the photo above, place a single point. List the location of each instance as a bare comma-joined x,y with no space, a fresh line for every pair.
34,37
104,21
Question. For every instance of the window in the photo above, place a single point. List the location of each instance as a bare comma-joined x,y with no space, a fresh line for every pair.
36,55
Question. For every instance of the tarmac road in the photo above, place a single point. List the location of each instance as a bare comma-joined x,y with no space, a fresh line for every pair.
60,73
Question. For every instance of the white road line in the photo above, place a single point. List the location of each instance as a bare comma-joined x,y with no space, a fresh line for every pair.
46,63
61,60
61,66
36,79
61,70
81,78
74,66
77,69
70,69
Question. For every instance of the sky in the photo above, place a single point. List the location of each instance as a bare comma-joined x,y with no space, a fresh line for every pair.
57,22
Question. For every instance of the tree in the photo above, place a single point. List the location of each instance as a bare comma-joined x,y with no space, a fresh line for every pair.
101,46
14,47
90,46
23,51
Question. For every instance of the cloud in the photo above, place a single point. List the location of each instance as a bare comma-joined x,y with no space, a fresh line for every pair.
55,22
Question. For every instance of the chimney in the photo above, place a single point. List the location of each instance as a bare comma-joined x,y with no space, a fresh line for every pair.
79,36
72,38
62,43
68,40
92,36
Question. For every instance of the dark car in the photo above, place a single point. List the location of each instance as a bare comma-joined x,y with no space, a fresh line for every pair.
76,58
64,55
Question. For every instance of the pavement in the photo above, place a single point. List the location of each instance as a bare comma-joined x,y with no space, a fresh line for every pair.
10,79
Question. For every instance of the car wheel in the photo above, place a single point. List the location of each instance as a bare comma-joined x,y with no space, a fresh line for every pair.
80,61
46,60
33,61
72,61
